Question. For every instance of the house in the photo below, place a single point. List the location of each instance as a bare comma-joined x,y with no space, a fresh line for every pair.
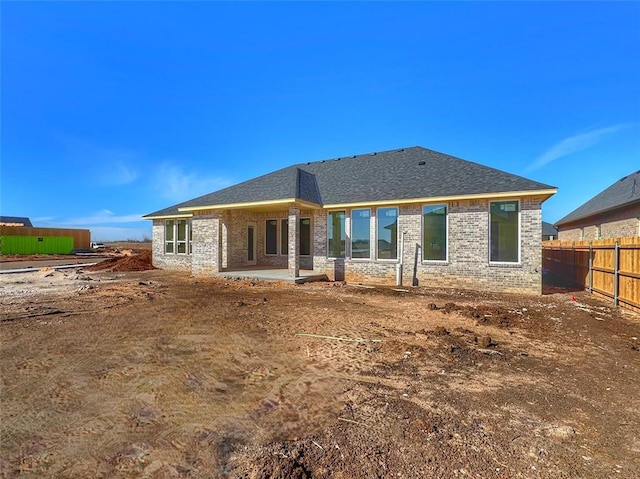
548,232
410,215
613,213
15,221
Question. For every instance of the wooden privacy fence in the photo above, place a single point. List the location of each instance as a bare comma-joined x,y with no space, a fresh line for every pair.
607,267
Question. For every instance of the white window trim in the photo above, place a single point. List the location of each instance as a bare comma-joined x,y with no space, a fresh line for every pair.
188,242
351,236
434,261
186,237
327,235
506,263
277,236
388,260
166,241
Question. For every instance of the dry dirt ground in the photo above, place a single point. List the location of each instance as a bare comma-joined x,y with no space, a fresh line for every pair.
158,374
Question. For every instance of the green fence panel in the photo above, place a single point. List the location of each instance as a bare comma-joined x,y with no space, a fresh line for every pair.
36,244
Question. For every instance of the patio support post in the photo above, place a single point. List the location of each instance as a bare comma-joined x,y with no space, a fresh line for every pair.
294,241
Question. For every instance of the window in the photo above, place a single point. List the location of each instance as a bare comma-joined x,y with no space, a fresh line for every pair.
336,234
388,233
271,237
284,237
182,236
190,226
361,234
305,236
504,234
581,234
168,236
304,239
598,231
434,233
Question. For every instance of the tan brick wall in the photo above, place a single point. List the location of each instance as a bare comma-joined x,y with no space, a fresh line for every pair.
220,242
207,254
468,251
172,261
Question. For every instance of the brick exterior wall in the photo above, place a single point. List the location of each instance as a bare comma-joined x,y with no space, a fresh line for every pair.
620,223
207,254
468,251
219,242
179,262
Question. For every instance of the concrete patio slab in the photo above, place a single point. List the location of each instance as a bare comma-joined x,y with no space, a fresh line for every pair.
273,274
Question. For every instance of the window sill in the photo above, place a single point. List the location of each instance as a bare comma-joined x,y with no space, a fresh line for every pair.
505,265
435,262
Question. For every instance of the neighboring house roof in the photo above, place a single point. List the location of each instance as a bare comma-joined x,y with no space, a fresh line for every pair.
623,192
548,229
15,221
403,174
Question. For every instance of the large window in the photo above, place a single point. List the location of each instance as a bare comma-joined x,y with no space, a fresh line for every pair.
505,242
271,237
336,234
182,236
434,233
178,236
169,246
361,234
388,233
284,237
305,236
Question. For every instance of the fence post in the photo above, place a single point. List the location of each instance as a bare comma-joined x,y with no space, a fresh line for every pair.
616,275
590,267
574,269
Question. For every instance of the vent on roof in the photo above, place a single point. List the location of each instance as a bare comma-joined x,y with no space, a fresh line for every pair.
373,154
338,159
308,162
422,162
401,149
354,156
323,161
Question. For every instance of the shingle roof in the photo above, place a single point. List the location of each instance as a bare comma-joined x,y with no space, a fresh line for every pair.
548,229
401,174
623,192
16,220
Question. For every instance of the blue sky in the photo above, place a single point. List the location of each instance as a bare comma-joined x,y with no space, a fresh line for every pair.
112,110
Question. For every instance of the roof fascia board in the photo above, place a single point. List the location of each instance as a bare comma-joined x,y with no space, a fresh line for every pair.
167,217
251,204
434,199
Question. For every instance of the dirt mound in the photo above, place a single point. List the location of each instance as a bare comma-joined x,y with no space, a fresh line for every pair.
136,262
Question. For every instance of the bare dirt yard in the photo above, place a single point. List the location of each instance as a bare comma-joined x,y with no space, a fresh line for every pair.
155,374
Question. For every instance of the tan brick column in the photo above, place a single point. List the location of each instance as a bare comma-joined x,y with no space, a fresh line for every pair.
207,257
294,241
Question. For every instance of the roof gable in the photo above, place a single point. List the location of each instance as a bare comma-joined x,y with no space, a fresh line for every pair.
623,192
